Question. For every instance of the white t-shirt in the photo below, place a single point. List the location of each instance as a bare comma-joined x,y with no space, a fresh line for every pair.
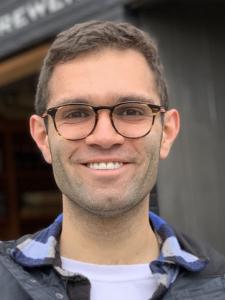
115,282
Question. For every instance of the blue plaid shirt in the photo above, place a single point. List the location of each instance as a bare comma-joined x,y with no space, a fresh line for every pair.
41,249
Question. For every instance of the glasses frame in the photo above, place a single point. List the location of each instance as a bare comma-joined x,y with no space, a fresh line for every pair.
156,109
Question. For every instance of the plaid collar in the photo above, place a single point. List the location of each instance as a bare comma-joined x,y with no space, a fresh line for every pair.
41,249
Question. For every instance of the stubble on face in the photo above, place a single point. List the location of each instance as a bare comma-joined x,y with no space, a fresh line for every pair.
108,200
105,197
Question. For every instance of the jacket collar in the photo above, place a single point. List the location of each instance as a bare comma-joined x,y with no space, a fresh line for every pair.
41,248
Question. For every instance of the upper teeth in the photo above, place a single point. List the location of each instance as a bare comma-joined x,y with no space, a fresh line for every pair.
105,165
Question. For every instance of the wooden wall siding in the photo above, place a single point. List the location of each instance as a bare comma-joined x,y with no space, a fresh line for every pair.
191,185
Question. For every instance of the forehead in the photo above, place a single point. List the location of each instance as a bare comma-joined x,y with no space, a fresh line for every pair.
101,78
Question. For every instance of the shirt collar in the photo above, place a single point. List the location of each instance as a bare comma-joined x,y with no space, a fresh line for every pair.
171,251
41,248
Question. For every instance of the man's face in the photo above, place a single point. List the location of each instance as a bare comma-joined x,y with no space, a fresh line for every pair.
103,79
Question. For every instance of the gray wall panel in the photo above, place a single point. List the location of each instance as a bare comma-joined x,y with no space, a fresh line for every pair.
191,185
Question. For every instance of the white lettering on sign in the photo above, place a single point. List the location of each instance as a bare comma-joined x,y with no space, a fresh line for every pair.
55,5
36,11
19,18
5,24
29,13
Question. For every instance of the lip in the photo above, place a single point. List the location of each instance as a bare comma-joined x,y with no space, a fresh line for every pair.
99,161
106,173
104,160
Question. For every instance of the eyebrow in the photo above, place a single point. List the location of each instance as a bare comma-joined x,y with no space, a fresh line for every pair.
117,99
138,98
67,101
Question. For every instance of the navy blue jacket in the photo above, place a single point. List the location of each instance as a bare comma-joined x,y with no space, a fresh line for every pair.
20,283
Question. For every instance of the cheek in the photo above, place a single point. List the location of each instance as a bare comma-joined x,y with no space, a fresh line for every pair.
148,148
147,170
150,160
64,151
152,156
58,149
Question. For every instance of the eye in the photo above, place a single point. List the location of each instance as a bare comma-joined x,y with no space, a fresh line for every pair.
129,111
132,112
76,113
73,114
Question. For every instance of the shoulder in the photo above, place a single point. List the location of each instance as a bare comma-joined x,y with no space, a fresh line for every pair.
201,249
190,286
207,284
9,286
6,262
5,247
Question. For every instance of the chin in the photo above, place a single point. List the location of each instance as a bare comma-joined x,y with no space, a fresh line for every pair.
110,212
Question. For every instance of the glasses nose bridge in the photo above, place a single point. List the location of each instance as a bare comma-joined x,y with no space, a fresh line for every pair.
103,107
97,108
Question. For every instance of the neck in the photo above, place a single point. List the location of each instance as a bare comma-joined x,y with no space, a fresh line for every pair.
124,239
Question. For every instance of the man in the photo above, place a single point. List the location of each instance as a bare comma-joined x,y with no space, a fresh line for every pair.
102,121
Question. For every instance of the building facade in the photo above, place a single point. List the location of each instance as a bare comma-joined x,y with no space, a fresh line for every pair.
191,40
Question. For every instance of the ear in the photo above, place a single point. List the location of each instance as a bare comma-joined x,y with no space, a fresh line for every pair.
171,127
39,134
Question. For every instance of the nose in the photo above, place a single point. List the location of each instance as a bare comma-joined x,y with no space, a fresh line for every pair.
104,135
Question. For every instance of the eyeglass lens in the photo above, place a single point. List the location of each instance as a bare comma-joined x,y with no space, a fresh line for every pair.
77,121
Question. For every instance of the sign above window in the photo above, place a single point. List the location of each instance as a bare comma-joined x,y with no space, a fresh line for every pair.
27,22
29,12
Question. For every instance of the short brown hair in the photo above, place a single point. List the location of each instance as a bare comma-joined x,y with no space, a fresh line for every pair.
95,36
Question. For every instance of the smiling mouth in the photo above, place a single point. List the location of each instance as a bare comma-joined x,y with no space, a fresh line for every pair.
105,165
